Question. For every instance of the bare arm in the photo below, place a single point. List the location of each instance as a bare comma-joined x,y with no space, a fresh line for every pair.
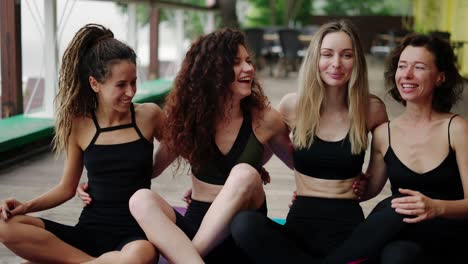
376,171
162,159
377,115
163,156
280,143
60,193
65,190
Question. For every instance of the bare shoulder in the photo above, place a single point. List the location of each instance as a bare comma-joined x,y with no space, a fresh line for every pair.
380,141
149,112
150,119
81,124
148,109
288,104
287,108
377,114
459,131
381,132
83,130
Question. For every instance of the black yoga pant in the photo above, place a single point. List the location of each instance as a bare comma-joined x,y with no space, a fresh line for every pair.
442,238
314,227
227,251
92,240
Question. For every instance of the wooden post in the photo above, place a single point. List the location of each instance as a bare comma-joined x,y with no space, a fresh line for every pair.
153,69
10,45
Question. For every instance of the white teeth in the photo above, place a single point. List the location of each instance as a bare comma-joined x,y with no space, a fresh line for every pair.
409,85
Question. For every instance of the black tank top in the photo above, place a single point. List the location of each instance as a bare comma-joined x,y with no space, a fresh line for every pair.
329,160
246,149
442,182
115,173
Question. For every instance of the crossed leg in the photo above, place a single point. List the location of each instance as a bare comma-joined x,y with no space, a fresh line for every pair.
243,190
27,238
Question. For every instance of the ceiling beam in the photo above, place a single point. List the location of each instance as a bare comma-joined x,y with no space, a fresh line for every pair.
171,4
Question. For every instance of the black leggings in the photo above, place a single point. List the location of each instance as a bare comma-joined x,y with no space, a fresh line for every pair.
314,227
227,251
441,240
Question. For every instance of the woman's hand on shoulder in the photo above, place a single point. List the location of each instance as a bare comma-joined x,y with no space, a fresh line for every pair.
377,114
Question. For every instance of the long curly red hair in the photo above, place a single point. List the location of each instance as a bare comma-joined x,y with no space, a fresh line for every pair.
201,93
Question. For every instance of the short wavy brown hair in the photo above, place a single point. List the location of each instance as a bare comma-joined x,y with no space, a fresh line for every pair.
449,92
201,93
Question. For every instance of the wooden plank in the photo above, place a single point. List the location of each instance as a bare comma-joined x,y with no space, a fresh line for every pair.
10,46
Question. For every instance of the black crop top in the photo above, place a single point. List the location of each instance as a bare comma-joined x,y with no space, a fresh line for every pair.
330,160
115,173
246,149
442,182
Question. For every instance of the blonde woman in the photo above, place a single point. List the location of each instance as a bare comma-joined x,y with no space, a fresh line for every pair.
330,118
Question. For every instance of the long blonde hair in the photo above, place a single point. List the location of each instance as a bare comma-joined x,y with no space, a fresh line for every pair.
312,91
91,52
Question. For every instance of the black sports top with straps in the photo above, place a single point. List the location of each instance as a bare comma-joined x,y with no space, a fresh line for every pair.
329,160
246,149
115,173
442,182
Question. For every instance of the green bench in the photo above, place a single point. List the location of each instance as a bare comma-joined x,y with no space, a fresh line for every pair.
20,131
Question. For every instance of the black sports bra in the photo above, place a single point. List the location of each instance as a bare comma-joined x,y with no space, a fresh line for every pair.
330,160
246,149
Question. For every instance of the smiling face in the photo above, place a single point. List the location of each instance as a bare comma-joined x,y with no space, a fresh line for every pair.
417,74
118,89
336,59
244,73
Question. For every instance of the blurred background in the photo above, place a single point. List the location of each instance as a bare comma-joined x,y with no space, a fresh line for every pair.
34,34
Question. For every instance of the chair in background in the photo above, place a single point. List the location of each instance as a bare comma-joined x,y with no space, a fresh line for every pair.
291,47
306,34
256,44
272,47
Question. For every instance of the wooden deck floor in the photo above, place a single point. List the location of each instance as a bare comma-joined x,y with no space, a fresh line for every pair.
30,178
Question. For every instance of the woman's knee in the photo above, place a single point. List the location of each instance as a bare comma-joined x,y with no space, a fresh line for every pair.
245,179
9,227
141,201
139,252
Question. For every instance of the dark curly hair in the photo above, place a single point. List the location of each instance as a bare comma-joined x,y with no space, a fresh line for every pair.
449,92
201,93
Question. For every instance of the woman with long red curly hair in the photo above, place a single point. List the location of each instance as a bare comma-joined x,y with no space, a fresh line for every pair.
220,122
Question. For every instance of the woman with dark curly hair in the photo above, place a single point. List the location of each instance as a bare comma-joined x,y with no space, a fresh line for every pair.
424,154
220,122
